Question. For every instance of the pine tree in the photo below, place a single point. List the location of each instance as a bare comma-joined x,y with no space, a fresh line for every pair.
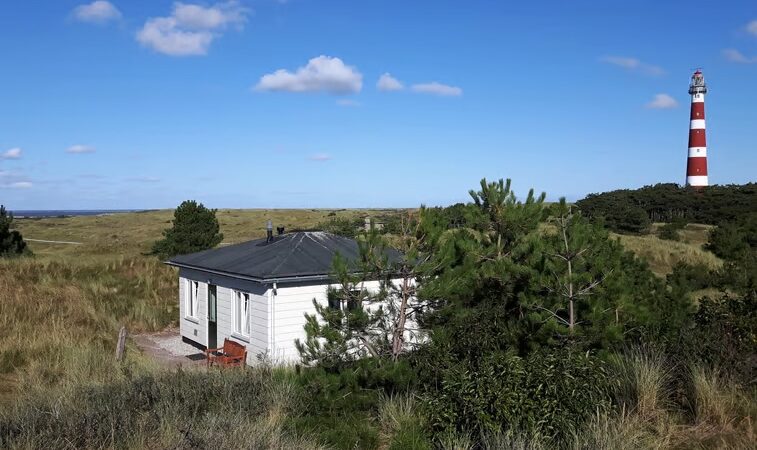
195,228
353,323
11,242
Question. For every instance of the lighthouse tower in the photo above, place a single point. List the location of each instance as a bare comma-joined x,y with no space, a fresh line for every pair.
696,167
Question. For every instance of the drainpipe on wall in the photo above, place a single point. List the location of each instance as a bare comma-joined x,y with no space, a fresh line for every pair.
271,300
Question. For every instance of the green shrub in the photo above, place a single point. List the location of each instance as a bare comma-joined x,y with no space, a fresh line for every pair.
549,393
728,241
195,228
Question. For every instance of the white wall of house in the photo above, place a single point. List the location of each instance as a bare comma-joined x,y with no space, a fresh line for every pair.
277,316
196,328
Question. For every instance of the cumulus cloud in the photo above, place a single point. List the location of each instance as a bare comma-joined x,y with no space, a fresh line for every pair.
321,74
320,157
388,83
79,149
662,101
14,153
191,28
435,88
633,64
733,55
98,12
751,27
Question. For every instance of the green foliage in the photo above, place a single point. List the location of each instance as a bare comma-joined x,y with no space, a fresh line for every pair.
550,393
338,406
728,241
342,226
195,228
344,330
11,242
666,202
725,335
669,231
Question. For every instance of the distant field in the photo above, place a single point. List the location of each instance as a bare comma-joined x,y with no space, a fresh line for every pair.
131,234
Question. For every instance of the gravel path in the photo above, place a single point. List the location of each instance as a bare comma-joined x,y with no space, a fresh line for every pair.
168,349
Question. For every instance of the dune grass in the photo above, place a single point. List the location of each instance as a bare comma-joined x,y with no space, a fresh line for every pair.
662,255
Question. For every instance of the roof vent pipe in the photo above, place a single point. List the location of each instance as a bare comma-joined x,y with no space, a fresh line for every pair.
269,231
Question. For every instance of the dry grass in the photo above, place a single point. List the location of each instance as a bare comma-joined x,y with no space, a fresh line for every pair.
662,255
131,234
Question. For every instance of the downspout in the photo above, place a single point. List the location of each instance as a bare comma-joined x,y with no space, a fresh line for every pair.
272,327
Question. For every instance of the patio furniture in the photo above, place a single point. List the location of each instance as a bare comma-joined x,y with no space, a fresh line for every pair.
232,354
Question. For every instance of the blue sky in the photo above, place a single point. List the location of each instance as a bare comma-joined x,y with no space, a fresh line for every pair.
266,103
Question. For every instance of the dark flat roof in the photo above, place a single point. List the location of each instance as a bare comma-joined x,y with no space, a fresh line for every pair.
300,255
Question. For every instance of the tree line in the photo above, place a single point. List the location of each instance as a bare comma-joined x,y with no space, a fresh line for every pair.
632,210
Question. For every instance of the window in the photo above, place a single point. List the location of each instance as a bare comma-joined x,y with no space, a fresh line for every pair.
190,298
355,300
241,313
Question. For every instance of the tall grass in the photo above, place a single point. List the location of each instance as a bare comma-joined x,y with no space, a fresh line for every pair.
60,320
233,409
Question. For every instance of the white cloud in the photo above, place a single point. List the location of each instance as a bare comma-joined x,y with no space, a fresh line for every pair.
320,157
388,83
10,180
662,101
190,29
347,102
733,55
633,64
751,27
14,153
437,89
98,12
79,149
321,74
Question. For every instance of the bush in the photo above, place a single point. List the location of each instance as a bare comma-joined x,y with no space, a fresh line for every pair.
550,393
669,231
342,226
11,241
727,241
195,228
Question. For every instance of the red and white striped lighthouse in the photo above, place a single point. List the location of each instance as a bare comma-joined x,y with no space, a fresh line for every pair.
696,167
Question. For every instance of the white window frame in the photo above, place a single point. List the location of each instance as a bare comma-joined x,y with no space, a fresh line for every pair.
241,319
191,298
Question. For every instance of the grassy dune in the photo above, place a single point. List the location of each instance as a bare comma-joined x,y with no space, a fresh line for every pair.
663,255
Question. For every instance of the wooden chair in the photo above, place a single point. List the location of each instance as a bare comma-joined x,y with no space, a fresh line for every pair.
232,354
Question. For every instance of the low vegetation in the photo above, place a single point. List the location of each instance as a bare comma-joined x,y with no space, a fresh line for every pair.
544,330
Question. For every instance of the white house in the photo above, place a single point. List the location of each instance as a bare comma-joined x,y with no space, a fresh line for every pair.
257,292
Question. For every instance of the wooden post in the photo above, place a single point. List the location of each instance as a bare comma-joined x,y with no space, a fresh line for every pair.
121,347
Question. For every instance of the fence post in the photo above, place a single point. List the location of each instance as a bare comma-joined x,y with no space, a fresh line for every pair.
121,347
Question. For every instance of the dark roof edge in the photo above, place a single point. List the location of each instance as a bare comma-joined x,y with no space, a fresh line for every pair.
249,278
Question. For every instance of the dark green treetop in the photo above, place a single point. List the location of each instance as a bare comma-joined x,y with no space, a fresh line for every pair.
195,228
11,242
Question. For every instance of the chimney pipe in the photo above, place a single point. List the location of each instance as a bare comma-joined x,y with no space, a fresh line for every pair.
269,231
